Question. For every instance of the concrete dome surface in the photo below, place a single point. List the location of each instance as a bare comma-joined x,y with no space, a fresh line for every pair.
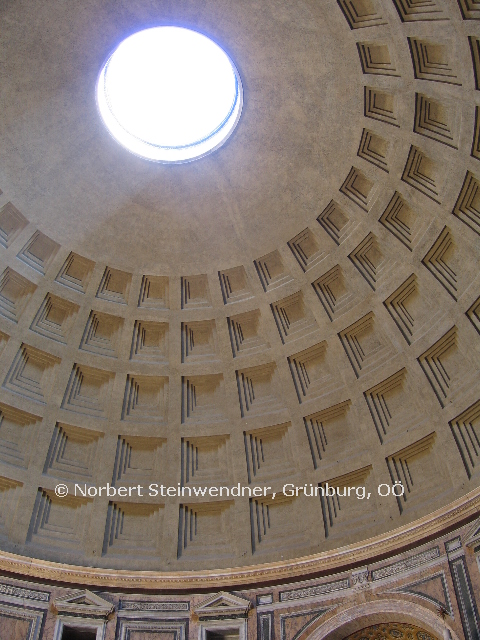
299,307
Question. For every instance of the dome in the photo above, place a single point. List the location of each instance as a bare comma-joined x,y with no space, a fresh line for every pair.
197,352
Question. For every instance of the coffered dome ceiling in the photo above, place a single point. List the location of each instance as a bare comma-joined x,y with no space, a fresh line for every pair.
300,306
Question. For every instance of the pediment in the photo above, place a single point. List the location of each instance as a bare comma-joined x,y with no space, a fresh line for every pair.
473,535
223,604
83,603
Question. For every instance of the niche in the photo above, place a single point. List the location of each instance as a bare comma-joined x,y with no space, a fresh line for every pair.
70,633
220,634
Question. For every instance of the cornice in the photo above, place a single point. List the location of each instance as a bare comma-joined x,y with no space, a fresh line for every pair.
335,560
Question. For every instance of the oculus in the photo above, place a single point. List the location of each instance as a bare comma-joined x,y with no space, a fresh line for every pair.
169,94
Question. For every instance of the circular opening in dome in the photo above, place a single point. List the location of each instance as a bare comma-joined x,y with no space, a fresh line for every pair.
169,94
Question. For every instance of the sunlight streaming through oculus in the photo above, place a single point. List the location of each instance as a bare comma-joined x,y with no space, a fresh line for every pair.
169,94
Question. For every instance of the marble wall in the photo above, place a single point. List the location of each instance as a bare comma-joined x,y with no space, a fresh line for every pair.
435,587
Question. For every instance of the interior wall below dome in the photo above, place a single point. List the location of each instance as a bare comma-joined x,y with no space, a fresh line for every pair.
429,592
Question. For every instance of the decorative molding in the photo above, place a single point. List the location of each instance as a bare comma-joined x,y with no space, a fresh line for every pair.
15,293
408,563
306,249
195,292
39,252
361,13
475,152
472,538
475,49
135,605
222,604
359,189
259,392
150,342
448,368
76,273
315,428
372,263
83,603
25,594
437,258
466,431
88,391
265,624
55,318
380,105
376,59
318,590
154,293
391,631
400,465
31,374
203,398
465,597
293,317
463,509
102,334
174,629
366,345
246,335
234,285
470,9
387,411
12,222
421,173
34,618
413,10
311,373
467,207
374,149
115,286
431,61
272,271
336,222
222,626
335,292
332,505
434,120
199,341
454,546
360,576
473,314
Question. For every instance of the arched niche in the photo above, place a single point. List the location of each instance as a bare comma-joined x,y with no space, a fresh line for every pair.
353,619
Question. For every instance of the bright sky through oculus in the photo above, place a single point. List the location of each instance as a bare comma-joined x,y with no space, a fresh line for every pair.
169,94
